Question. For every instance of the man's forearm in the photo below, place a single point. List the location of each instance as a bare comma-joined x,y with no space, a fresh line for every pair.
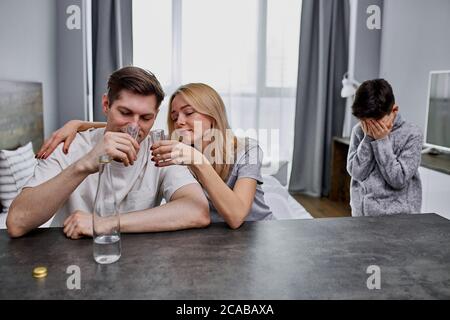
34,206
183,213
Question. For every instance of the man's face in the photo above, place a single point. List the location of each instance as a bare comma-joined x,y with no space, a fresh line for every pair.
130,108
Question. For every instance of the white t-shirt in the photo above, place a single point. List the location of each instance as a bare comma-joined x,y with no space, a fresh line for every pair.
137,187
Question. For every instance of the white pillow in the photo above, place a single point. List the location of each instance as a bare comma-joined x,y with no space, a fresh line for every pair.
16,167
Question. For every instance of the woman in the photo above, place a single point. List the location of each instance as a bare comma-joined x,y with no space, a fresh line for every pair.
228,168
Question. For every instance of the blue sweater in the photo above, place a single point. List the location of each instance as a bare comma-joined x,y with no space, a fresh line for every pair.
385,176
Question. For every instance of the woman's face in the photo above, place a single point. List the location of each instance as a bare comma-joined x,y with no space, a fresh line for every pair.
188,123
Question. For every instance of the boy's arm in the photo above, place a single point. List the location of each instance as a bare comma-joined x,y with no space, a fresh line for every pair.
397,171
360,159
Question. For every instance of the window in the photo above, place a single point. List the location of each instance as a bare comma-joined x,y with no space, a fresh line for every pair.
282,34
246,50
152,37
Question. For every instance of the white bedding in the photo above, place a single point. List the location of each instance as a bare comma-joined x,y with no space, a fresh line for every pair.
282,204
2,220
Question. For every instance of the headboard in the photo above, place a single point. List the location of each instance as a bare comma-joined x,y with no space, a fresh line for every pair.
21,118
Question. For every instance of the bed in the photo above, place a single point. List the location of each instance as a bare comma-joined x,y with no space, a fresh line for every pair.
282,204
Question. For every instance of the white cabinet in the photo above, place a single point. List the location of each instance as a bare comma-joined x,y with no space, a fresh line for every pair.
435,192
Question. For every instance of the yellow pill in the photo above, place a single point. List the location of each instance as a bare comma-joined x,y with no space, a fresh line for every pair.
40,272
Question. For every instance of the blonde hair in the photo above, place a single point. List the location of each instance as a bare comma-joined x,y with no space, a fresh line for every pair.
205,100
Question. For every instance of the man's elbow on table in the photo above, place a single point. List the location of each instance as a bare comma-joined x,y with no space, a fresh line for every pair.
192,198
13,224
203,218
200,209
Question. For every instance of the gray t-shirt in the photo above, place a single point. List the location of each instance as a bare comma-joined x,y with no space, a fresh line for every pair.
248,165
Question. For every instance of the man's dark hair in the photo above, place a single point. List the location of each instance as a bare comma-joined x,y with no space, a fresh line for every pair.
373,99
136,80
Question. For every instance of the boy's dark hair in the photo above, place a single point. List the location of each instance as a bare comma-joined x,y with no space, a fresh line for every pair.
373,99
136,80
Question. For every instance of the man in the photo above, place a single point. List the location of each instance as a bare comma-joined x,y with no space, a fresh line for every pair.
66,184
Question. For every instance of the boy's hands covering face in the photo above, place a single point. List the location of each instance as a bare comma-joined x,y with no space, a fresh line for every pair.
381,128
378,129
364,127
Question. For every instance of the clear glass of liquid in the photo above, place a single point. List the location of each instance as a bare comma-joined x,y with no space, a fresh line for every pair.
133,130
156,135
106,218
107,248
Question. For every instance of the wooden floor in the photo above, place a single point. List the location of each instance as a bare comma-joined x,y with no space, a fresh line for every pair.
323,207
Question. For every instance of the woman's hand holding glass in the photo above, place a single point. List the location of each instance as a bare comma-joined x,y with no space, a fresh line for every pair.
171,152
156,135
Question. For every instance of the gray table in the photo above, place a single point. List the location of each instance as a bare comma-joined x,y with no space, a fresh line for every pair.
296,259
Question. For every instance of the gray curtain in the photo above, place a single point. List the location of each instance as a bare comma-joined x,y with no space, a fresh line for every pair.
323,60
112,44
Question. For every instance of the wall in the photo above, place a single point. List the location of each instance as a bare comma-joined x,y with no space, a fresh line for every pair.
71,62
364,52
368,43
435,186
415,40
27,40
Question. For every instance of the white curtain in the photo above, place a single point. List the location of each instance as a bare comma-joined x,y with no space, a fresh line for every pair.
246,50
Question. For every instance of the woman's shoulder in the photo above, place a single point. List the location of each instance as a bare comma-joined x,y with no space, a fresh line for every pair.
248,149
244,144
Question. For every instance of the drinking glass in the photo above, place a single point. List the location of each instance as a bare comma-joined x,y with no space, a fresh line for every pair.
156,135
133,130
